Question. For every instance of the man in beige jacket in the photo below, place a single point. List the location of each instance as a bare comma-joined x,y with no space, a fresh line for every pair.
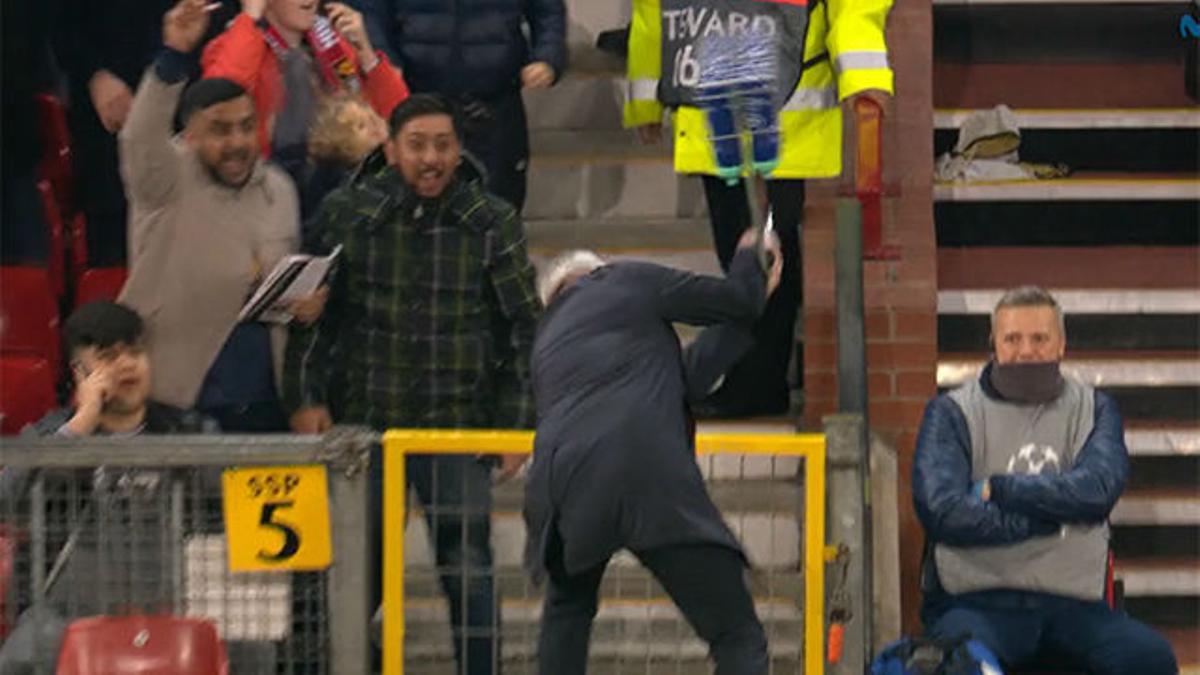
207,220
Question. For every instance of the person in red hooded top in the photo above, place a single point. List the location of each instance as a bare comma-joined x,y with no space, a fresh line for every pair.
287,55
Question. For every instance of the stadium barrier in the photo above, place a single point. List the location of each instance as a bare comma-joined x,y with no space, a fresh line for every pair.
262,537
771,488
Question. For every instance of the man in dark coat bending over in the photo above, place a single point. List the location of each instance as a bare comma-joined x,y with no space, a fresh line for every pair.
614,460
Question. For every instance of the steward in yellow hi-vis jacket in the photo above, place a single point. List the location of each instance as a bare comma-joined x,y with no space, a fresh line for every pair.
844,56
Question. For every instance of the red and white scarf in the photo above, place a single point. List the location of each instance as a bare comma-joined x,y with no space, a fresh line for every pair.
336,64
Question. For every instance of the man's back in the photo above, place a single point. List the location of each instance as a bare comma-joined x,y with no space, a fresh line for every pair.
605,352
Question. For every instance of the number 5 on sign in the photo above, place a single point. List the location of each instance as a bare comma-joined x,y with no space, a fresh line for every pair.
277,518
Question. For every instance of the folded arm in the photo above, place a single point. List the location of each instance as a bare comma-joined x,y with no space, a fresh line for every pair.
948,510
1087,491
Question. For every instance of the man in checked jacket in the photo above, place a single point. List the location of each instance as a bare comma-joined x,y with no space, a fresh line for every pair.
429,323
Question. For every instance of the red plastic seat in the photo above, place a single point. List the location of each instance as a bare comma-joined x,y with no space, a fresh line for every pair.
142,645
56,144
29,314
55,239
26,391
100,283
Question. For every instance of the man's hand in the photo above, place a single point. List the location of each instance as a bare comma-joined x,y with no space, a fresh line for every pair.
350,24
775,273
510,465
311,420
91,391
650,134
537,75
750,240
254,8
185,23
111,98
308,309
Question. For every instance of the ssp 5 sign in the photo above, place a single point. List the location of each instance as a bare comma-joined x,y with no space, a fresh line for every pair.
277,518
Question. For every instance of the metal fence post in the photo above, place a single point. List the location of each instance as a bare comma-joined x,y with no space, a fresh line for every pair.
846,461
852,387
348,588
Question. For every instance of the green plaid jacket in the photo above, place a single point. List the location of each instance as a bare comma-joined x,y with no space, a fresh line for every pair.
431,313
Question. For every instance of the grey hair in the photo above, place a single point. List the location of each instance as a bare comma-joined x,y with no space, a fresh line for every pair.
1029,296
563,270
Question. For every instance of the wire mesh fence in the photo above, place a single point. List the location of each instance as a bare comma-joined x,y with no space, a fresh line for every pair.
461,602
136,536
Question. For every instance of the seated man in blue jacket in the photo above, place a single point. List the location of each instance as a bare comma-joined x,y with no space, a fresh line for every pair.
1014,476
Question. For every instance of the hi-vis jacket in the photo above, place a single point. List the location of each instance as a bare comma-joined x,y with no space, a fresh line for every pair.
848,32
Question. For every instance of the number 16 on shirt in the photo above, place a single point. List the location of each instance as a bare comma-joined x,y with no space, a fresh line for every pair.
277,518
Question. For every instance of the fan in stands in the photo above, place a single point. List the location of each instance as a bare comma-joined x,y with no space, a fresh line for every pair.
112,376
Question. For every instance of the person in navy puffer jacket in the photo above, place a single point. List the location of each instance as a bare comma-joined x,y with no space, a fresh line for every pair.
476,53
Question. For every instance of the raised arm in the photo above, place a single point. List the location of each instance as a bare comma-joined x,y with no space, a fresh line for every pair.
711,355
738,297
150,162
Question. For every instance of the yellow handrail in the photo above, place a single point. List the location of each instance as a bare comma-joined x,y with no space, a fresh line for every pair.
398,443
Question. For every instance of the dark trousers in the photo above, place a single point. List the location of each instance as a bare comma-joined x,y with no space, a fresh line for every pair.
758,383
498,136
1075,633
456,495
100,193
706,582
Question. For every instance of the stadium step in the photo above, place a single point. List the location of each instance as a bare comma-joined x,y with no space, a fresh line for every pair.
1083,186
632,631
1062,84
606,174
1101,267
772,539
1158,577
619,235
1131,140
1139,369
1071,33
624,579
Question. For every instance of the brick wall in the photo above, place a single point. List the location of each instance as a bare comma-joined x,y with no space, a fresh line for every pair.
901,295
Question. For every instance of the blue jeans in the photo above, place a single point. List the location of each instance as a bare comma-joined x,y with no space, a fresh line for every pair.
1021,628
456,495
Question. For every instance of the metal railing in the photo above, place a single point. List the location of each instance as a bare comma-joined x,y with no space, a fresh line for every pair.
264,536
807,515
